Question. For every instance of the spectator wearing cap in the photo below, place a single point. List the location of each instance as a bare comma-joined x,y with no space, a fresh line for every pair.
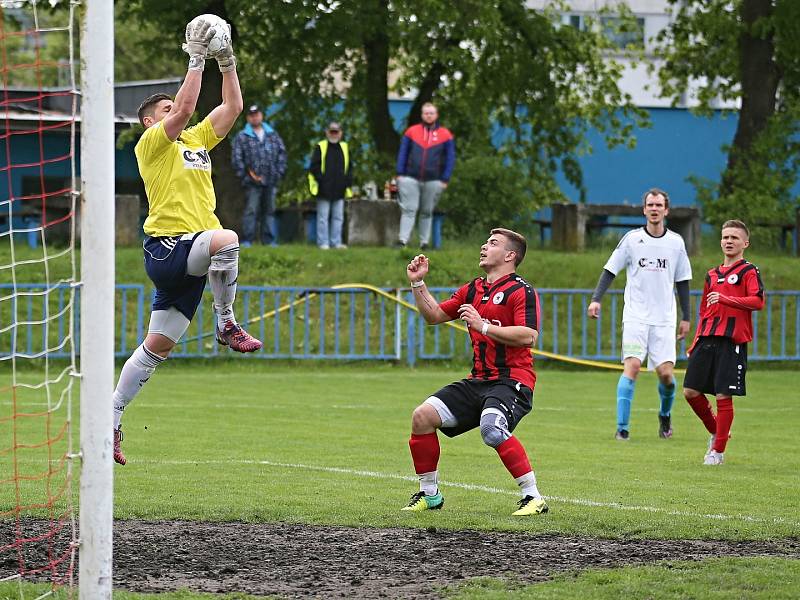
329,180
259,159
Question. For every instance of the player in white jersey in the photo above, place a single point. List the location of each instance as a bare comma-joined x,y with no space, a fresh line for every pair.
656,262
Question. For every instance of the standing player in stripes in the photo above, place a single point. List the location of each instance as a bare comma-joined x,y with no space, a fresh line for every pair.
502,313
718,355
184,239
656,263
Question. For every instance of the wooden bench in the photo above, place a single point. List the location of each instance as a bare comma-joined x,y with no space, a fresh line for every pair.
571,222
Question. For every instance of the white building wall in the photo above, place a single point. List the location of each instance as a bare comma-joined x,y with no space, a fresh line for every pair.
637,80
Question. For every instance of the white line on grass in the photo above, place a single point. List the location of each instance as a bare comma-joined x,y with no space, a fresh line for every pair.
271,405
480,488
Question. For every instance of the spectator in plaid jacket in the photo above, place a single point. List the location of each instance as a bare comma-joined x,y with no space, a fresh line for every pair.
259,159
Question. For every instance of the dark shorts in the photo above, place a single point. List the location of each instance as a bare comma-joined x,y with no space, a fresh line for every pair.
165,260
717,365
467,398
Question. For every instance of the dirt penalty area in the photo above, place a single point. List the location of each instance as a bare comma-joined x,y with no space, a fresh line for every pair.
292,560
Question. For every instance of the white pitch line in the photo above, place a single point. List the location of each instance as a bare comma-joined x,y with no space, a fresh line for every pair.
270,405
481,488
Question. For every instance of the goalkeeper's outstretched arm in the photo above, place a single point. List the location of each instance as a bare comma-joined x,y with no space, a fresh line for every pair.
198,36
224,116
184,105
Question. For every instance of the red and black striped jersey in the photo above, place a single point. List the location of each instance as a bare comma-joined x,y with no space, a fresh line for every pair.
508,301
740,293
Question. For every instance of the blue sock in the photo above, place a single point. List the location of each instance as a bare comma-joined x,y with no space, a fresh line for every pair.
624,399
667,393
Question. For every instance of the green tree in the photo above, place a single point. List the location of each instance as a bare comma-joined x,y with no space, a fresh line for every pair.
509,81
745,51
500,73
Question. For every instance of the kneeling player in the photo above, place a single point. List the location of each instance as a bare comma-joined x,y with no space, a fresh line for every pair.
718,355
185,241
502,313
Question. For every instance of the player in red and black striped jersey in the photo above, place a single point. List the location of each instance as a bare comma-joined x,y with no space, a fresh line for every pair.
501,311
718,355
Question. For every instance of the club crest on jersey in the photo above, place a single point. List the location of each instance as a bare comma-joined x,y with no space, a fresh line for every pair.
196,159
498,297
733,278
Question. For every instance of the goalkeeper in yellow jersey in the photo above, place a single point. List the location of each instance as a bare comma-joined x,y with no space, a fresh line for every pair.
184,241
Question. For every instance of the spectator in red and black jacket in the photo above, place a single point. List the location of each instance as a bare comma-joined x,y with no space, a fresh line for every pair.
718,355
424,164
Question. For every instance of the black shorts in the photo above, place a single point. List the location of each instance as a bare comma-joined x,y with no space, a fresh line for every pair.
717,365
467,398
165,260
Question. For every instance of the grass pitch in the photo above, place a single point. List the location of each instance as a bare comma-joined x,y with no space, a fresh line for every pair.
326,444
329,445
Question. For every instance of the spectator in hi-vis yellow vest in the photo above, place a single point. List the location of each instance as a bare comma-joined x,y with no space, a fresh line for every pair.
329,179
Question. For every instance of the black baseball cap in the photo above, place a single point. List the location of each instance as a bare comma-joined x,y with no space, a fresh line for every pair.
334,126
253,109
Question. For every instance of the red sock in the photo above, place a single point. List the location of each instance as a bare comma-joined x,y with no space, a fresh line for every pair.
514,457
702,408
424,452
724,421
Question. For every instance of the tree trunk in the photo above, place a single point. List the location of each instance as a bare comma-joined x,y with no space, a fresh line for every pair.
760,78
229,192
376,52
429,85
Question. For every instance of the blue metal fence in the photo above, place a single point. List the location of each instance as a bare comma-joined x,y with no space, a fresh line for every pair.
327,323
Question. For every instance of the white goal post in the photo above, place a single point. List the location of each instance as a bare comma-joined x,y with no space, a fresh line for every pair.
97,299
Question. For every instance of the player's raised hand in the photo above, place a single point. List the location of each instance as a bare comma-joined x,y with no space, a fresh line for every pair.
417,268
469,314
594,310
225,58
198,35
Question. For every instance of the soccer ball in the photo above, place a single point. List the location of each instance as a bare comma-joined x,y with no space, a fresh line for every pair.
222,33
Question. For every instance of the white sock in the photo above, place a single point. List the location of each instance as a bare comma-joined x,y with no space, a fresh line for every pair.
135,373
222,276
429,482
527,485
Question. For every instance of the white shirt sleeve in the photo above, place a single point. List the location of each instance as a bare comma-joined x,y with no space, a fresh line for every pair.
683,271
620,257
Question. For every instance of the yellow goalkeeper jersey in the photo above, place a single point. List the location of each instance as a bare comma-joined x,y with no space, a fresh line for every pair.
177,180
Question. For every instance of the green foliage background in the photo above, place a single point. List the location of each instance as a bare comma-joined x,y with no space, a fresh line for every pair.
706,47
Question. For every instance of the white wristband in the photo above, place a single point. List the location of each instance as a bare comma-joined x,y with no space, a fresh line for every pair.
417,284
484,328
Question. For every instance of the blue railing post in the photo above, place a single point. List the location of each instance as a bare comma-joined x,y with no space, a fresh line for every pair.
411,337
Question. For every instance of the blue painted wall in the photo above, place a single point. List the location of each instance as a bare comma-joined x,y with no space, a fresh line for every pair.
678,145
55,146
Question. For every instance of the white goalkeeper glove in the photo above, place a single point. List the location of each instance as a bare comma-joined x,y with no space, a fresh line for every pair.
225,58
196,46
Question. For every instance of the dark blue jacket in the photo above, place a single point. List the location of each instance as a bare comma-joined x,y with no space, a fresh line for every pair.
427,153
266,158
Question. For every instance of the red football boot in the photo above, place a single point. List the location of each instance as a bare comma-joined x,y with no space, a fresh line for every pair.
237,338
119,457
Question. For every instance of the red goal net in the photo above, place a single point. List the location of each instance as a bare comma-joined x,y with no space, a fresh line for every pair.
38,295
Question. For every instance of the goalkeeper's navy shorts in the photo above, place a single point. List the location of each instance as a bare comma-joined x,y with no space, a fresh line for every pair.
717,365
467,398
165,260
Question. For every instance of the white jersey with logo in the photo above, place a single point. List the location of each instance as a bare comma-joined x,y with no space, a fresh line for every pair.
653,266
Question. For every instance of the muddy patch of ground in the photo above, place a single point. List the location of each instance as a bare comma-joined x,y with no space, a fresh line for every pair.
326,562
